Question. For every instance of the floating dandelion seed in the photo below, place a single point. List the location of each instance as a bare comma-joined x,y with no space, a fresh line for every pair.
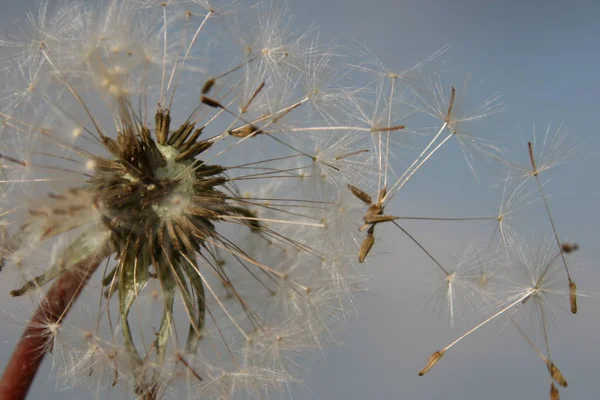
433,359
555,373
535,172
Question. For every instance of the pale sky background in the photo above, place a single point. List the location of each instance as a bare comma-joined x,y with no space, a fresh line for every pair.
543,56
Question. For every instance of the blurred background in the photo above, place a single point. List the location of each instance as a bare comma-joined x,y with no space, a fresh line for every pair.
543,56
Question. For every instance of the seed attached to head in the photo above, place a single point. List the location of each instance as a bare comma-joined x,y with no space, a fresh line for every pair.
260,87
375,219
366,246
433,359
245,131
361,195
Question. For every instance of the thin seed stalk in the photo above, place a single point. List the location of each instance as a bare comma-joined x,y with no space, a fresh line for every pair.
30,351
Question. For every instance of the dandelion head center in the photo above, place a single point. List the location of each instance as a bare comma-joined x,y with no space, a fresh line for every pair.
155,188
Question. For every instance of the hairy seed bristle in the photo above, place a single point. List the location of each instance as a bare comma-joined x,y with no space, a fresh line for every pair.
374,219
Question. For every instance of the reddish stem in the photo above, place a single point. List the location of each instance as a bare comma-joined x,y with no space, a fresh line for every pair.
31,349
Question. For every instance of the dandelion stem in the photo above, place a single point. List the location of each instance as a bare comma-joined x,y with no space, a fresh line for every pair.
29,354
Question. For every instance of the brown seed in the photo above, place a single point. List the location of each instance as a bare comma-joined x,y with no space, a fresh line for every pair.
251,99
433,359
532,159
569,247
363,196
207,86
374,219
554,392
245,131
365,247
177,138
450,104
161,125
381,196
573,297
556,374
194,150
14,160
373,211
346,155
210,102
286,112
388,128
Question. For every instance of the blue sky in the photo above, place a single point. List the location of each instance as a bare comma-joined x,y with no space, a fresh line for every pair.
543,56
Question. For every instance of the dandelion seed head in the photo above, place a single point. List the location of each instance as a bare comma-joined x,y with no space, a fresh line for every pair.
222,175
166,196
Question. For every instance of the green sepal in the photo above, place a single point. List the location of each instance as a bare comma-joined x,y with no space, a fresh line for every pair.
194,335
133,277
81,249
168,285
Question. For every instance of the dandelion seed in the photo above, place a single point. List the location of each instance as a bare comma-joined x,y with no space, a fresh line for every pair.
554,395
207,86
569,247
433,359
366,246
364,197
573,297
556,374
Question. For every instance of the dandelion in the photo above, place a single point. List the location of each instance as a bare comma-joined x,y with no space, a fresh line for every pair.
159,195
204,180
